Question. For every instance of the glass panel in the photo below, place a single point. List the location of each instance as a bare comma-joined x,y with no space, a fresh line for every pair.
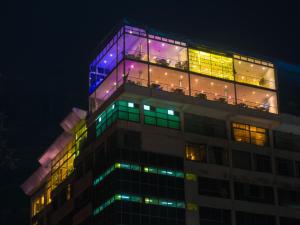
196,152
106,89
250,97
120,48
211,64
136,73
212,89
136,47
259,75
169,80
167,54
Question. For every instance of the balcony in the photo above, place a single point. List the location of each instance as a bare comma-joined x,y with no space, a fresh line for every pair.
147,60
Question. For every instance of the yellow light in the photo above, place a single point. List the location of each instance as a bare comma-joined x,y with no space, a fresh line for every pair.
243,77
240,62
166,73
212,83
156,81
263,68
251,65
267,95
196,80
253,92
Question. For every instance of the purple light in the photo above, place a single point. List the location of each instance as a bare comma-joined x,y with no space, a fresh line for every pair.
105,61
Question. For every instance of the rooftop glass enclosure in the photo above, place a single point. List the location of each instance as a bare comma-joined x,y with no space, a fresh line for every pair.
140,58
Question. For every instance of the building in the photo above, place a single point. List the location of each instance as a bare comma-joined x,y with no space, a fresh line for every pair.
176,133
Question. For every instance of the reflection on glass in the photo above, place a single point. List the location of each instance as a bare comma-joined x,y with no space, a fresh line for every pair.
254,74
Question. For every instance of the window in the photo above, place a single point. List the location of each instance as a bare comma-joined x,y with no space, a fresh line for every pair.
262,163
243,218
196,152
169,80
204,125
288,198
213,187
284,167
289,221
287,141
122,110
212,89
256,98
212,216
254,74
253,193
297,165
249,134
136,47
241,160
161,117
211,64
217,155
165,54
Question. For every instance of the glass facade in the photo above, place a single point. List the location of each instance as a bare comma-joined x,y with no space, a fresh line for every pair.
137,57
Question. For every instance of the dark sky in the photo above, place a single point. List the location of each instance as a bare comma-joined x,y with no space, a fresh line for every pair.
46,47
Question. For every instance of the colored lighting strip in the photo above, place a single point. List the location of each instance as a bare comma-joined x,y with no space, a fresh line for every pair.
139,199
146,169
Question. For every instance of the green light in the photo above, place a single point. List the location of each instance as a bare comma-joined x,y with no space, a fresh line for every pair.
146,107
170,112
130,105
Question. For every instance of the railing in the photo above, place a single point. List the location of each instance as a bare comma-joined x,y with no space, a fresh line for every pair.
169,62
213,97
261,82
135,80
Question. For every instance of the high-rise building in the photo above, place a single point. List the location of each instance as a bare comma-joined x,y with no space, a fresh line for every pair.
176,133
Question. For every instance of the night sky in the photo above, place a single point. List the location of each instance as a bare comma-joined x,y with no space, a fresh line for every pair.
46,47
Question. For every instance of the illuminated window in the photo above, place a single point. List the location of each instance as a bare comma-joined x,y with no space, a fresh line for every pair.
211,64
37,204
196,152
135,167
249,134
121,110
161,117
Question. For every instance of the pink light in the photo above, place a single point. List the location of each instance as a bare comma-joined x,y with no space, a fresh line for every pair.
132,66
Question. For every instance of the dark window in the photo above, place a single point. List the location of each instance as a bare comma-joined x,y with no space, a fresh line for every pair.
262,163
253,193
212,216
196,152
288,198
241,160
243,218
289,221
204,125
217,155
297,165
287,141
284,167
213,187
132,140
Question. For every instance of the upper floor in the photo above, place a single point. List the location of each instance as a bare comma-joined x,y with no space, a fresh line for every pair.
144,58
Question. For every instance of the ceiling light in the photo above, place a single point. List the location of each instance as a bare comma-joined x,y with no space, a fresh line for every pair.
253,92
211,83
163,44
196,80
264,68
251,65
110,55
240,62
166,73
